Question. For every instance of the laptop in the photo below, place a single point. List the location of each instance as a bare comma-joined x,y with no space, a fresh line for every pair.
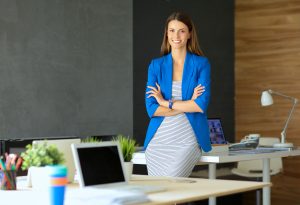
101,165
216,131
64,146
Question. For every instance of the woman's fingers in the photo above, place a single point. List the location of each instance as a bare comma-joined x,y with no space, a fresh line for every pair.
198,91
158,87
153,88
199,87
150,92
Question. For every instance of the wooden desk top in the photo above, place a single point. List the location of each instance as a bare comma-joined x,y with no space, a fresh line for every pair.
178,190
182,190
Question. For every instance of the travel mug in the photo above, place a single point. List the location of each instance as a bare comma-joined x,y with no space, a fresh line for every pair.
58,181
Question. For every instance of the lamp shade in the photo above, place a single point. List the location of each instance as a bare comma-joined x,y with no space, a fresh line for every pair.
266,98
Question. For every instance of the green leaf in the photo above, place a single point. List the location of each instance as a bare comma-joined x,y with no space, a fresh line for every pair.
127,146
41,155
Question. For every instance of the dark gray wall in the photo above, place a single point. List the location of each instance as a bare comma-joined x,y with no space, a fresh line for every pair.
214,20
65,68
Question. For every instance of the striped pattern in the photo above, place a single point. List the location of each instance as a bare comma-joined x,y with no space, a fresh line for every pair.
173,151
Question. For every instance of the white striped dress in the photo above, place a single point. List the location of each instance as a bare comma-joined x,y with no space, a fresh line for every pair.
173,150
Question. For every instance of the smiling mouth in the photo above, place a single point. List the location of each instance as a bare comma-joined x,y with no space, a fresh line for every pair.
176,41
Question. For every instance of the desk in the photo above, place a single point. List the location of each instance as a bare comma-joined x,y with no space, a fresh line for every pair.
213,158
179,190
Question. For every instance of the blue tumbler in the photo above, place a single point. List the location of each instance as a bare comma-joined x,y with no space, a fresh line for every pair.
58,181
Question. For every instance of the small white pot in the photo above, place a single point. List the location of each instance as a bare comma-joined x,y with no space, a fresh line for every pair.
128,166
38,177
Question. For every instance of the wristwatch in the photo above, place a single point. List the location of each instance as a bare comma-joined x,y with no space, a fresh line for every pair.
170,103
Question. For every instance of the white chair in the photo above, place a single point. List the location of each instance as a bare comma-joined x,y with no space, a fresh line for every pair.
253,168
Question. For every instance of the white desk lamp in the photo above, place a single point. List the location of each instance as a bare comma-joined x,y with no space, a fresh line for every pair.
266,100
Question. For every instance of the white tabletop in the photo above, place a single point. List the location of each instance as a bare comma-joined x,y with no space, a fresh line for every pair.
224,157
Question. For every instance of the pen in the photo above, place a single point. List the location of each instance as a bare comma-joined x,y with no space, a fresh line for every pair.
13,158
8,163
19,163
2,164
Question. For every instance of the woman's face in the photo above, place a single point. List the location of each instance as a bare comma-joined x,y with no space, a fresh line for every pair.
178,34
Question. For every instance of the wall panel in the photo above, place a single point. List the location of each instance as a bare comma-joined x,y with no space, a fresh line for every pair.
267,44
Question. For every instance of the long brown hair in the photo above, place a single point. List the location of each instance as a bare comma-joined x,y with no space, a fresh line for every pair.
192,43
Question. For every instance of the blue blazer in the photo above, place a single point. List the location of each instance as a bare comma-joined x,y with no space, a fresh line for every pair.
196,71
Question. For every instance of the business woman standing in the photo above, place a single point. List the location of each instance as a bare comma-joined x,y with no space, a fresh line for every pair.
177,97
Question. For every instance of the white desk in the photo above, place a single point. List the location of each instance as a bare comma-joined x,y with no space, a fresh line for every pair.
213,158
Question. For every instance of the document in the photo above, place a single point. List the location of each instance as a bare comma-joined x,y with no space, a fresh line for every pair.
96,196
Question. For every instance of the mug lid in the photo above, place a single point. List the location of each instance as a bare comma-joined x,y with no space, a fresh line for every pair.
57,170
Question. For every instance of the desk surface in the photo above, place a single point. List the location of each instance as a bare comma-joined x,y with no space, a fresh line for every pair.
224,157
179,190
235,157
182,190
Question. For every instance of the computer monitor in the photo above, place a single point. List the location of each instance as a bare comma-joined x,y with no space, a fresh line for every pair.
216,131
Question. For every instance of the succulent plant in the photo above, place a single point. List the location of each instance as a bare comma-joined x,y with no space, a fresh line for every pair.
90,139
128,145
40,155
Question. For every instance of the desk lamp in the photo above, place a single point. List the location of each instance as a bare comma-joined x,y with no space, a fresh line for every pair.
266,100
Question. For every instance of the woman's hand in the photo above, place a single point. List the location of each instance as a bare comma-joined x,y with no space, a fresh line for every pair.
156,93
198,91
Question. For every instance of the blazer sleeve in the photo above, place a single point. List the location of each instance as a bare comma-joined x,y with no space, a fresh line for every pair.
204,79
151,103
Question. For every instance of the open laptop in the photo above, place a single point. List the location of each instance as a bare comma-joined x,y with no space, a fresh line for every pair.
216,131
64,146
101,165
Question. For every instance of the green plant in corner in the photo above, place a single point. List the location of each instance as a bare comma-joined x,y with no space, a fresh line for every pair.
127,146
40,155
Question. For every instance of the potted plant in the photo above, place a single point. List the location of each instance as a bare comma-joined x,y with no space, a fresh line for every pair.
90,139
128,148
36,158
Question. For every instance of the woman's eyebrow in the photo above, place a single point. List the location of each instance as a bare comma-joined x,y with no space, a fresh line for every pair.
177,29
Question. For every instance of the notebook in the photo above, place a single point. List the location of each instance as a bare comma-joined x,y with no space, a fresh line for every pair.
101,165
64,146
216,131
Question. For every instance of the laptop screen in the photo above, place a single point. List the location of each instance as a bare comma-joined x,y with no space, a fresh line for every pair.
100,165
216,131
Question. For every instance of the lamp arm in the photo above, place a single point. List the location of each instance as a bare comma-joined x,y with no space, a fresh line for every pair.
283,95
295,100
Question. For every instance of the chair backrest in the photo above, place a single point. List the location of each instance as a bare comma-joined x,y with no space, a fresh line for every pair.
256,166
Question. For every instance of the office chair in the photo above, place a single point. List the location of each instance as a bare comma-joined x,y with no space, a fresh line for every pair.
254,168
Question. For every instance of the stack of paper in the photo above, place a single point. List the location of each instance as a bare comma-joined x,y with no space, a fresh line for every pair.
216,148
95,196
139,158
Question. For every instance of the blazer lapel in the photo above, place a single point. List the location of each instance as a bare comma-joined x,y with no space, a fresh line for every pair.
188,70
167,74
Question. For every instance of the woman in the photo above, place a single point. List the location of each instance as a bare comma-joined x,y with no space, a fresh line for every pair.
177,96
